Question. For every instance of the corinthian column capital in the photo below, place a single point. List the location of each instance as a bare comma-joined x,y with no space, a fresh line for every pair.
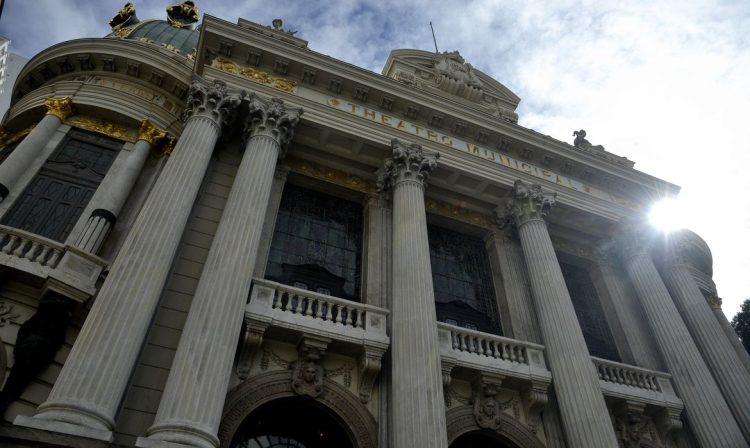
408,162
61,108
150,133
529,203
212,99
271,117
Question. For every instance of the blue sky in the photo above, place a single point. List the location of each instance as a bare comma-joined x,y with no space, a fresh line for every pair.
666,84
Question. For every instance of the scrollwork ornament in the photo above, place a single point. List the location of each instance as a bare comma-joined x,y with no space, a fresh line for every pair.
529,203
150,133
273,118
61,108
213,100
409,162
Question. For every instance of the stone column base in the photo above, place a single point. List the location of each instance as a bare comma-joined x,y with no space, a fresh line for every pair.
64,428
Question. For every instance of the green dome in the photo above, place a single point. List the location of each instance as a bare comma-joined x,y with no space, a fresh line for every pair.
182,41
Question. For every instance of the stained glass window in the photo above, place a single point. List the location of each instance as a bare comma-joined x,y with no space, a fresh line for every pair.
317,243
589,312
57,195
462,280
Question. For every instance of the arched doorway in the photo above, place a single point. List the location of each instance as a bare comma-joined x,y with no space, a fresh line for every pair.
336,403
293,422
480,439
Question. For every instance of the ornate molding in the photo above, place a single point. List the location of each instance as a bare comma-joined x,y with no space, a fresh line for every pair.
103,127
266,387
486,409
61,108
369,367
460,420
529,203
536,399
253,74
331,175
7,137
714,301
213,100
7,315
307,376
271,117
150,133
251,341
408,163
168,146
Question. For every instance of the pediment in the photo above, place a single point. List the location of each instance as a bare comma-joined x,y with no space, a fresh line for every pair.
448,75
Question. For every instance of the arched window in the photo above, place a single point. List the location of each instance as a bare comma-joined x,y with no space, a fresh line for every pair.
57,195
481,439
317,243
464,294
291,423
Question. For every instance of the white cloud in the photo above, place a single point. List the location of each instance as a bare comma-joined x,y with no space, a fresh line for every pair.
663,83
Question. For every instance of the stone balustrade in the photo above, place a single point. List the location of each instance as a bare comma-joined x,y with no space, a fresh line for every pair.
287,307
480,351
65,269
628,382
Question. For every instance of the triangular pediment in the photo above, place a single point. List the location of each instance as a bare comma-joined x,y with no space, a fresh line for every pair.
448,75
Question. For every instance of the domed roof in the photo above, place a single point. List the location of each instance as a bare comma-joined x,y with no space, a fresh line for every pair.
175,34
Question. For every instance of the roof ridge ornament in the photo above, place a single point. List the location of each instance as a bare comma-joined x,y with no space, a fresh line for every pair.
456,76
582,143
183,14
124,18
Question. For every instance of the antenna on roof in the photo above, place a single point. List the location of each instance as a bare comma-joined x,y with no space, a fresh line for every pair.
433,37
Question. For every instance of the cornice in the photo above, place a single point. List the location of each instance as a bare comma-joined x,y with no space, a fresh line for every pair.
364,77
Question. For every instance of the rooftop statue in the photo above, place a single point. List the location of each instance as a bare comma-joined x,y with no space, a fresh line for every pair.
457,77
182,15
581,142
277,25
124,18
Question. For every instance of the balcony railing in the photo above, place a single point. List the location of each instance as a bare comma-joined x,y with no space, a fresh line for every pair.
64,268
487,352
634,383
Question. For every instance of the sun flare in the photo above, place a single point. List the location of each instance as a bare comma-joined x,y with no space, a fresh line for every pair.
668,215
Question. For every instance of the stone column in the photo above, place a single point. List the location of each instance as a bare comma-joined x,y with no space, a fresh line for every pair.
510,280
377,237
111,196
418,408
727,368
58,109
190,408
583,411
608,278
266,237
709,416
89,389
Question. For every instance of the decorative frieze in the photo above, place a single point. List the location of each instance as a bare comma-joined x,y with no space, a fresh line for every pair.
253,74
460,213
100,126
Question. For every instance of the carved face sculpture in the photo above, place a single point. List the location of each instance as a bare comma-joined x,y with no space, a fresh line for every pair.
490,407
310,373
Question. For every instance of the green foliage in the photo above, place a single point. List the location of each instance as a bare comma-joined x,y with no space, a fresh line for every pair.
741,324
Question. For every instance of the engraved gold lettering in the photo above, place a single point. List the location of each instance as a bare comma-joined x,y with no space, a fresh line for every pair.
432,135
472,149
354,107
400,125
525,167
368,114
385,119
447,141
417,129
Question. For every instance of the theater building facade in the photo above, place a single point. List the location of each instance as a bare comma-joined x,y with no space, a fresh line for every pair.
213,236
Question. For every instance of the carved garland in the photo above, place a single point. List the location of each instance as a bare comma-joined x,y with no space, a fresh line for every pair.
253,74
266,387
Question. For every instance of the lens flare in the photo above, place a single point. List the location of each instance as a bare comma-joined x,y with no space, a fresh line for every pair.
668,215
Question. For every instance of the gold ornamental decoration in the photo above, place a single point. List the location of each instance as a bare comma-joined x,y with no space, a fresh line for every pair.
459,213
103,127
61,108
253,74
167,146
7,137
714,301
150,133
331,175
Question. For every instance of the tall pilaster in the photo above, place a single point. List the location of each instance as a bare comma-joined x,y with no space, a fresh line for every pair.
91,385
714,302
111,196
58,109
509,276
730,375
709,416
418,409
377,259
190,408
608,278
272,211
582,408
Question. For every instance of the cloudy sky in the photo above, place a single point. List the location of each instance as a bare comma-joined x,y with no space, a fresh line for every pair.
666,84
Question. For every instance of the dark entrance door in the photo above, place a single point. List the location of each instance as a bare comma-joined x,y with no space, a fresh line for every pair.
56,197
291,423
480,439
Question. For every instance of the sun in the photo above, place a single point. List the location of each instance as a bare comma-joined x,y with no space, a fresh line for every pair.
668,214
